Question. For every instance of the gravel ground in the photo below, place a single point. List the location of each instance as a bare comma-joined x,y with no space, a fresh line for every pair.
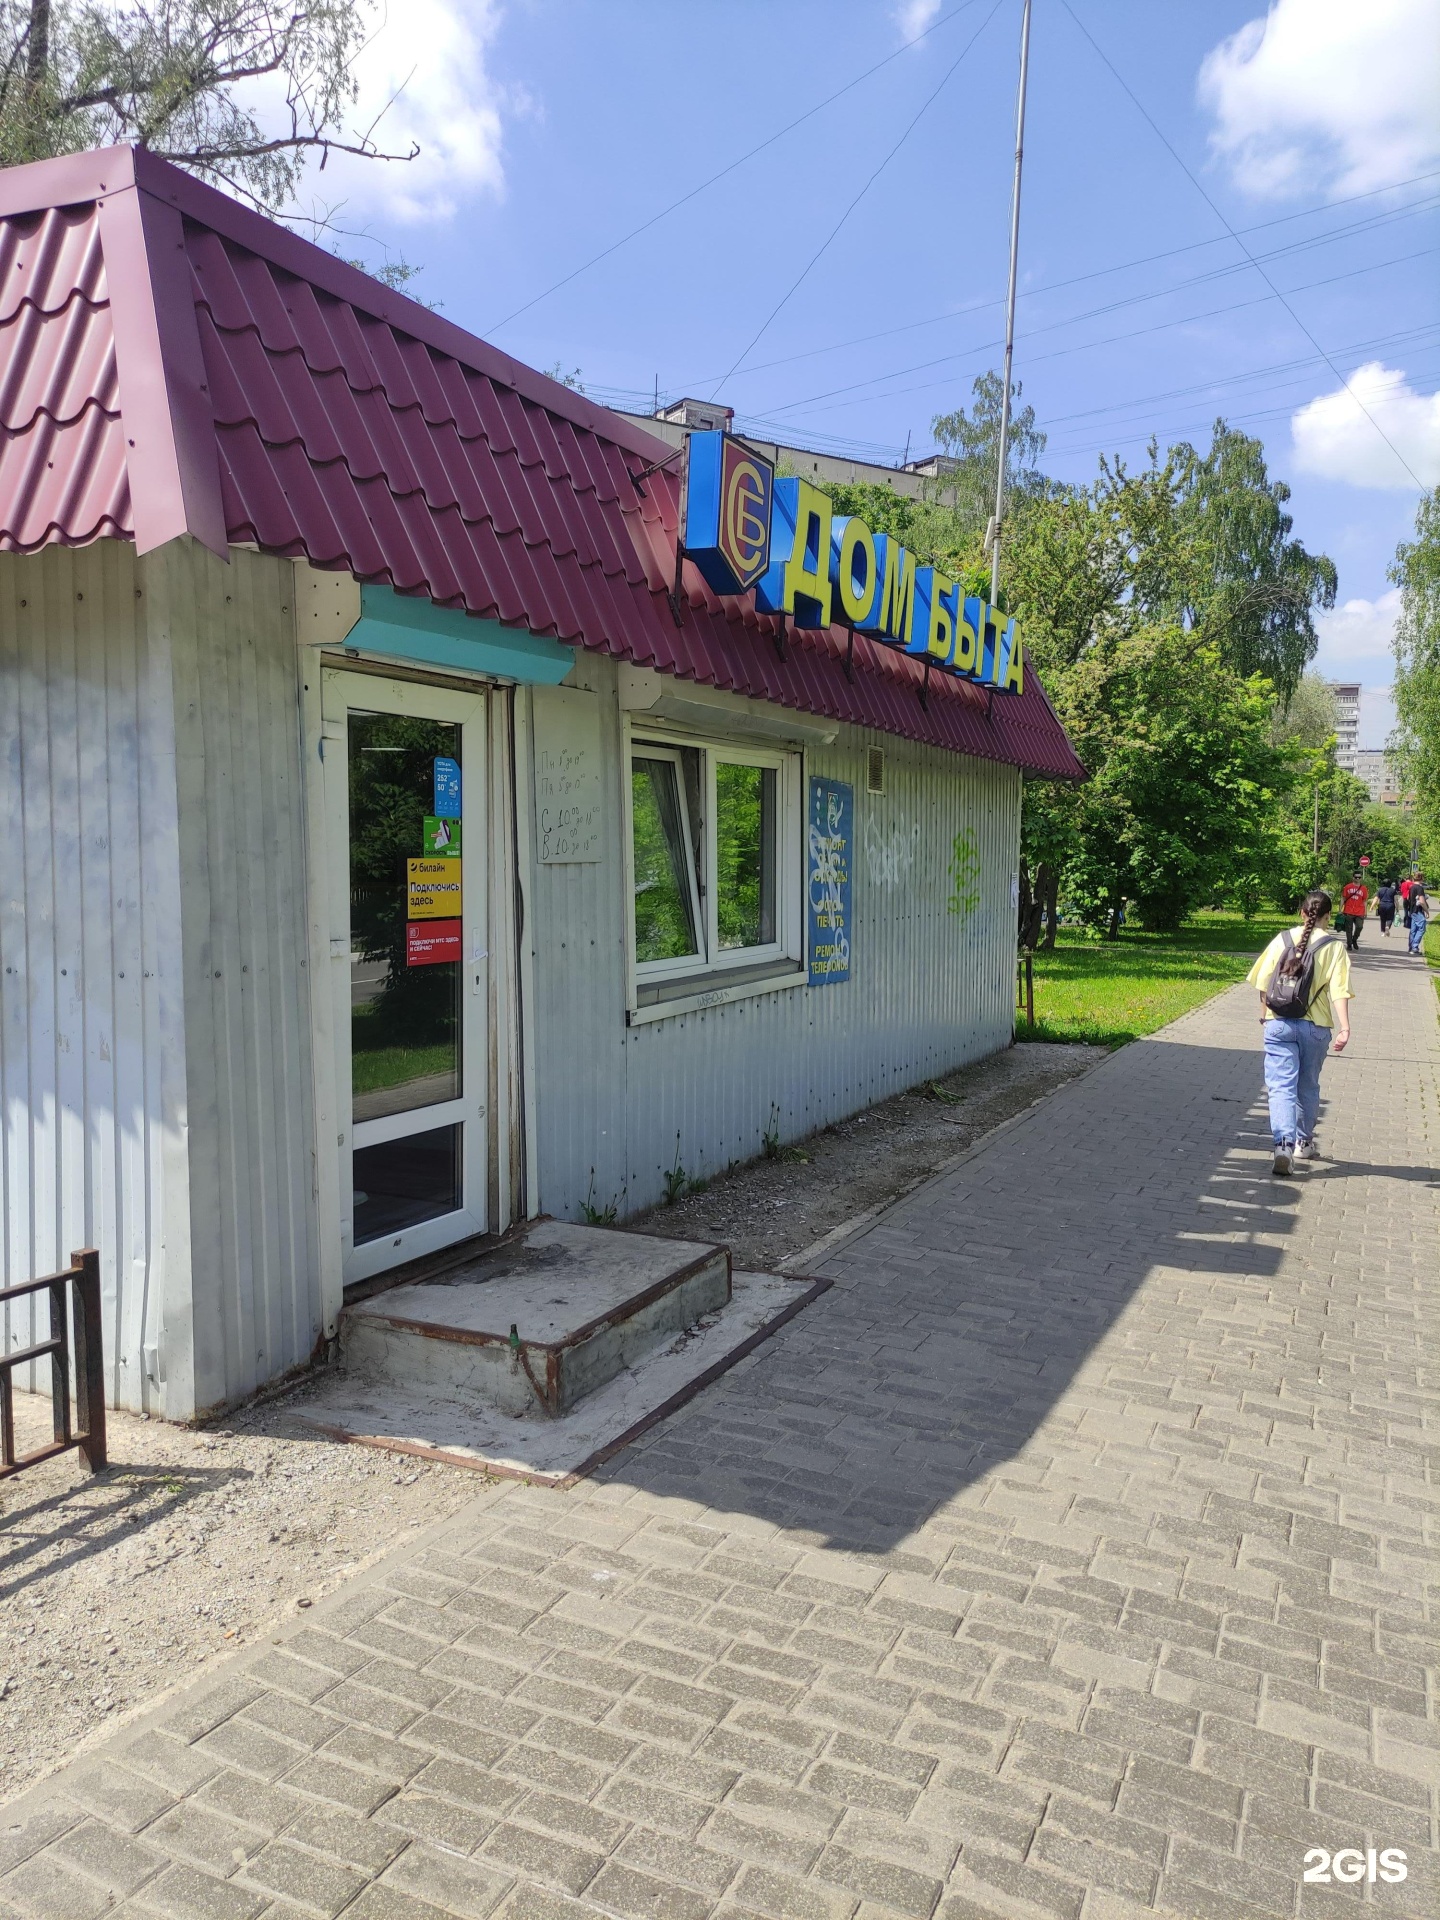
769,1210
194,1541
114,1587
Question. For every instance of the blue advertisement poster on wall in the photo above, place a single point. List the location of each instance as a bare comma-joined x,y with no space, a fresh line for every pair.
830,845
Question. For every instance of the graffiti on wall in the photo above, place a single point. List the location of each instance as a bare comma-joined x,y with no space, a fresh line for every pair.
890,852
964,875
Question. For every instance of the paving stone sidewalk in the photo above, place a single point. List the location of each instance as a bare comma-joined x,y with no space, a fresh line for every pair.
1068,1558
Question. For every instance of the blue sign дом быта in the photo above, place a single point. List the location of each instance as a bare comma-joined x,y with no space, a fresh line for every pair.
743,527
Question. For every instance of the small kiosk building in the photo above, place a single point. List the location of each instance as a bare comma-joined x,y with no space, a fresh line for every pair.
386,853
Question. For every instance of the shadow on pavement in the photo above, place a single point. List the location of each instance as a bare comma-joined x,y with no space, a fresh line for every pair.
960,1319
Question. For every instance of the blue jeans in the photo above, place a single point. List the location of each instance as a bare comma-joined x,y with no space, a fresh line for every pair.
1294,1054
1418,924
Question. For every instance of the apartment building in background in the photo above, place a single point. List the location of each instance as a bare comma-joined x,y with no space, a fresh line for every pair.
1347,703
1375,769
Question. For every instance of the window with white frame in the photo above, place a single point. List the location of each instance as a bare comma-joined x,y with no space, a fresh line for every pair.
715,857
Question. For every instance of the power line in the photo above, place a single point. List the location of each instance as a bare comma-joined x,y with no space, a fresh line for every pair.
922,366
1254,416
1175,156
1125,266
1230,379
685,198
830,237
1081,439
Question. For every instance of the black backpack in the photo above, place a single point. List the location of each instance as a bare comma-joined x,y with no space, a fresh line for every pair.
1293,986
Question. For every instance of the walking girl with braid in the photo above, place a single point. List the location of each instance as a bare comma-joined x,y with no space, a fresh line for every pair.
1304,983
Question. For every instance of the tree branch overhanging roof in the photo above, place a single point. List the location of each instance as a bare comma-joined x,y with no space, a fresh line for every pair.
172,363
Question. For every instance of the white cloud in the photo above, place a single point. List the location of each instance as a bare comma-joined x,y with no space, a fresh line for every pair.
1334,96
914,16
1344,435
423,80
1356,636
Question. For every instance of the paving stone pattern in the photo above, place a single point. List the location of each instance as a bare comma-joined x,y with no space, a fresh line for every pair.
1067,1559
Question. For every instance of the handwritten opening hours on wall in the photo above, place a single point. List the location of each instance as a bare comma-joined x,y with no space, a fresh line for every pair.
568,805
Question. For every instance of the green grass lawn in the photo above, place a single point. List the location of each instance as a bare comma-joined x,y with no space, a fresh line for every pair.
380,1067
1109,991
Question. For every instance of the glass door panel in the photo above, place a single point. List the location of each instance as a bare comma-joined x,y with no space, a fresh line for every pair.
412,1037
404,986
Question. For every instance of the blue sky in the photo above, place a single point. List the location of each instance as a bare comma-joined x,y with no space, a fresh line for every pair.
553,128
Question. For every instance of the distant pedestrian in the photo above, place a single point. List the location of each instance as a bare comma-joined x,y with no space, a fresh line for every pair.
1419,916
1304,985
1354,898
1404,891
1385,905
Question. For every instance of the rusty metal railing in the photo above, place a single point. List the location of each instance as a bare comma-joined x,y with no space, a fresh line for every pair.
1025,984
86,1428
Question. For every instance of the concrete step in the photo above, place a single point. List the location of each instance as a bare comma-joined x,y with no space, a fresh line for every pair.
554,1314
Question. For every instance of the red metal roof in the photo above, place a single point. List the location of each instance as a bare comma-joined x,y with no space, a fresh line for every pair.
172,363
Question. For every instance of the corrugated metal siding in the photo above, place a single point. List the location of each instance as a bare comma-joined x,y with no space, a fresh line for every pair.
254,1238
91,1069
930,989
575,931
150,840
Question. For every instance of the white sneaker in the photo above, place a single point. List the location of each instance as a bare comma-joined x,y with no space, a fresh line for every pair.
1284,1158
1306,1150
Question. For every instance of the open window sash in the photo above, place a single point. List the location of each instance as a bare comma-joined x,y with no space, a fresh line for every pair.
663,864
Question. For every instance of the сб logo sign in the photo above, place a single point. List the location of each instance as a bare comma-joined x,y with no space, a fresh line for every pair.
729,491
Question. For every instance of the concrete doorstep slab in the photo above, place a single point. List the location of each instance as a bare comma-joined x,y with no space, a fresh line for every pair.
552,1316
557,1450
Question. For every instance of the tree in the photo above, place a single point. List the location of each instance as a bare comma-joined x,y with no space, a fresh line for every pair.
1343,801
1169,611
1311,716
1388,838
1415,745
970,446
1184,801
1246,583
168,75
1199,541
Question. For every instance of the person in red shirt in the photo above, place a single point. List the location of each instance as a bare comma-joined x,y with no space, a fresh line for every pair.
1354,898
1405,885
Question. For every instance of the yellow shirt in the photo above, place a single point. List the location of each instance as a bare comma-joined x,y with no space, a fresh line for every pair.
1329,983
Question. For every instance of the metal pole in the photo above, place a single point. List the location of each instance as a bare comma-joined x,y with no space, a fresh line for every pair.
996,523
